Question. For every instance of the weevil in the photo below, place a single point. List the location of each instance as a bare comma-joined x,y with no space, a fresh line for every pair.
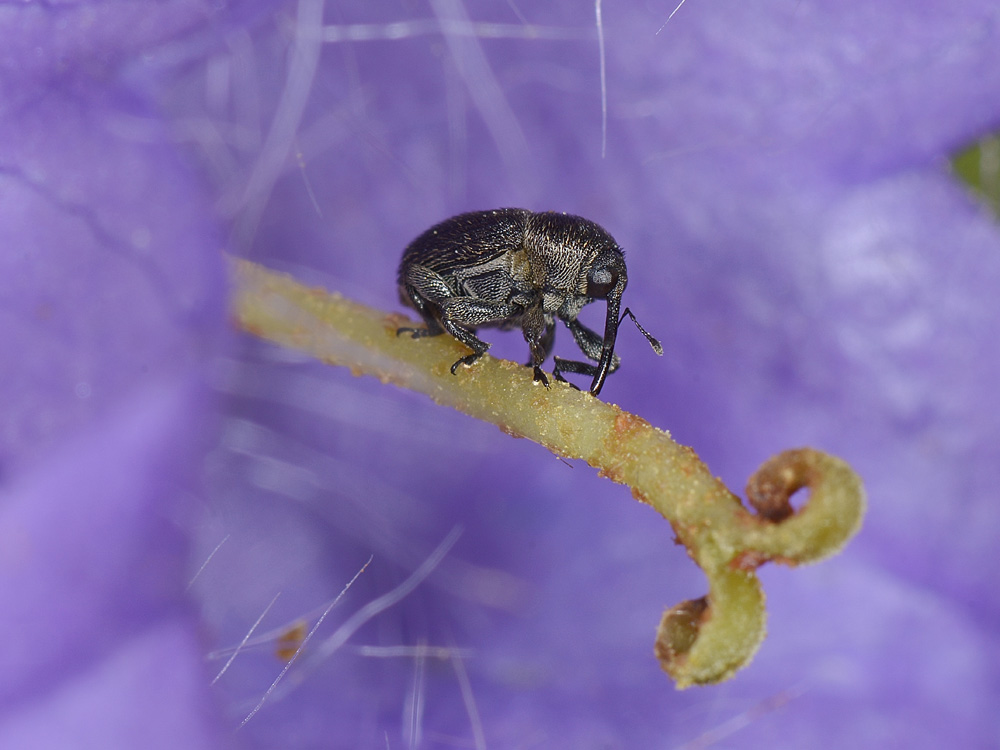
512,268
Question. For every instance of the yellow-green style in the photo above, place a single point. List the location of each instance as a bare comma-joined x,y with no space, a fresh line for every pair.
698,642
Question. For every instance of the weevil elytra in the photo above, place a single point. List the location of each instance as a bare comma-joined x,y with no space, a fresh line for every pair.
512,268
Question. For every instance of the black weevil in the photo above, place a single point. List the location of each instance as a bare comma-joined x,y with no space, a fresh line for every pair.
512,268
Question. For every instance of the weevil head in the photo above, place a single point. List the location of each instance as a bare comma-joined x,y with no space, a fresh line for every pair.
582,263
607,276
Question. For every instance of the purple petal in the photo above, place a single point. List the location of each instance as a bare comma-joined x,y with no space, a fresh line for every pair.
112,303
778,177
777,174
98,648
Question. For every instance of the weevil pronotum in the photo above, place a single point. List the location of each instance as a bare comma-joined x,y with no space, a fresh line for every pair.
512,268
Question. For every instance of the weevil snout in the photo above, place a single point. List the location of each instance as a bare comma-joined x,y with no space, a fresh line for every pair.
607,279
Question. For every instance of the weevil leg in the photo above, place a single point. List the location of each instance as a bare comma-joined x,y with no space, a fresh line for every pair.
419,333
460,316
417,303
423,285
423,289
590,344
540,333
573,366
542,347
539,376
557,371
467,337
467,360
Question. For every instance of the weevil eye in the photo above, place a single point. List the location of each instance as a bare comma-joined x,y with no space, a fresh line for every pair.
600,282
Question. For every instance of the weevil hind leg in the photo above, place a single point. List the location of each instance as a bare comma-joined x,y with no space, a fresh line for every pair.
424,290
466,360
432,328
467,337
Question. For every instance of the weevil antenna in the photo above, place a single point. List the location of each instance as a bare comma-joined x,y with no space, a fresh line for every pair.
653,342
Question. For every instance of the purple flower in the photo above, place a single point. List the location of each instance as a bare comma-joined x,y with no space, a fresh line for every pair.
778,176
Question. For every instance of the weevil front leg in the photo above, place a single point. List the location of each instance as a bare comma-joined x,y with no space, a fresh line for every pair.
590,344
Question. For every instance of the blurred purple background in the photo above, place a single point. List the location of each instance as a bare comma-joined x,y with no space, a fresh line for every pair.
778,175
